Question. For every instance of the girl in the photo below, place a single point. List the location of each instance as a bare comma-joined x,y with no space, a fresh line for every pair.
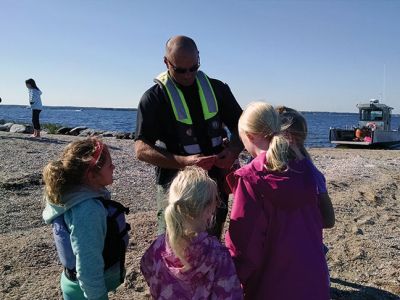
275,232
74,187
296,131
36,105
187,262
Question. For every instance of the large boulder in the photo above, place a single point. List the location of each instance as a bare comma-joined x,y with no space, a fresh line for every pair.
19,128
8,125
123,135
77,130
63,130
108,134
4,128
90,132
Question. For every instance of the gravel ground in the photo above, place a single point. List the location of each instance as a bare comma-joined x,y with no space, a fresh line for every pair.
364,245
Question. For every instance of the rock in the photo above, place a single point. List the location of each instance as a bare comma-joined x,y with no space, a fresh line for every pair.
77,130
123,135
18,128
356,230
107,134
89,132
63,130
4,128
9,125
358,254
366,221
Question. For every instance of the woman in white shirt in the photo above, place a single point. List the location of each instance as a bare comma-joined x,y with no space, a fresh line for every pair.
36,105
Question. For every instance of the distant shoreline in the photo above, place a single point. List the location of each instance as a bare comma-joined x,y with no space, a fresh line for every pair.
74,107
135,109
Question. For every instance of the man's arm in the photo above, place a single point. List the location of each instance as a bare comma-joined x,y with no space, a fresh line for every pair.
162,158
230,113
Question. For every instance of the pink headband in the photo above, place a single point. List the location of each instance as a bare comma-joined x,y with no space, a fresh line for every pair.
97,153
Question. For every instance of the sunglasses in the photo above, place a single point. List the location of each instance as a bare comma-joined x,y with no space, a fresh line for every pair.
192,69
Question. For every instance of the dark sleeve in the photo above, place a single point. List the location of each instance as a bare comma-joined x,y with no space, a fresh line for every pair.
229,108
147,118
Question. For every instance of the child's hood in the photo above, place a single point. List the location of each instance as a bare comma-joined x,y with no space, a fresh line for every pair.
71,199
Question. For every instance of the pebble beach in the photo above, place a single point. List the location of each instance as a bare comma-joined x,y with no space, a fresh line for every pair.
364,245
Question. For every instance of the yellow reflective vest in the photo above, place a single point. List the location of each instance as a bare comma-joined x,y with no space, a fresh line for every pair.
209,104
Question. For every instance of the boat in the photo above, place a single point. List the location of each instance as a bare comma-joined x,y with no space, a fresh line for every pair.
373,128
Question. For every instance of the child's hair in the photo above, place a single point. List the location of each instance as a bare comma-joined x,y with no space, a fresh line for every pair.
70,170
295,125
32,83
261,119
190,193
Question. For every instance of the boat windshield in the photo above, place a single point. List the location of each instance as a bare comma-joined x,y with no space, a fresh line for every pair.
371,115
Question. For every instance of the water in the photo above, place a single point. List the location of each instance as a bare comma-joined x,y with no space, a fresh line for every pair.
124,120
112,119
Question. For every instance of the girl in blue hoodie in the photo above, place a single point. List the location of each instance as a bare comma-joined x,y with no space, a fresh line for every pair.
74,187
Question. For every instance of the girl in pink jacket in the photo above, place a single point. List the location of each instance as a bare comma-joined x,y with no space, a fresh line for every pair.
275,231
187,262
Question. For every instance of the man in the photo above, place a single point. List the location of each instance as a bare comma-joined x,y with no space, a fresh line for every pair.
180,122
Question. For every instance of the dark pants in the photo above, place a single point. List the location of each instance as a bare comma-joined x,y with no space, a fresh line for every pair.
220,214
35,119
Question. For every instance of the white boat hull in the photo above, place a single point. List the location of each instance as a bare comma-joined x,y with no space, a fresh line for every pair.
378,138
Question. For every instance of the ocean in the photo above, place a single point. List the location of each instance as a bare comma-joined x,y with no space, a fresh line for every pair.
124,120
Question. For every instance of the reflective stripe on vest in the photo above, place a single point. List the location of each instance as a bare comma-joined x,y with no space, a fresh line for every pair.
207,97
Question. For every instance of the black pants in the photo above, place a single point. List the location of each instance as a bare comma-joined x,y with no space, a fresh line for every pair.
35,119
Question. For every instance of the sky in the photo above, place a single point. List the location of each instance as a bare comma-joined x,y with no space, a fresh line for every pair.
309,55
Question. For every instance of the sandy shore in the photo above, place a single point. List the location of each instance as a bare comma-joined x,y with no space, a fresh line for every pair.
364,256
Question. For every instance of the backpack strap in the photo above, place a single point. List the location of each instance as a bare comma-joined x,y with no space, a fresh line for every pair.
118,206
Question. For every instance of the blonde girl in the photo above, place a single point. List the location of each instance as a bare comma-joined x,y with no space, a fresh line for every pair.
187,262
275,231
75,185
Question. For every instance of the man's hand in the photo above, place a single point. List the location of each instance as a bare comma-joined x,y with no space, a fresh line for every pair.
225,158
204,162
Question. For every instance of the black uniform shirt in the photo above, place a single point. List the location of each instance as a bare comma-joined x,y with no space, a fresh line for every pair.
156,120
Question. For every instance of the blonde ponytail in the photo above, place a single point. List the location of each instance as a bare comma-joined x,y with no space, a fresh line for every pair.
54,179
191,192
277,153
175,220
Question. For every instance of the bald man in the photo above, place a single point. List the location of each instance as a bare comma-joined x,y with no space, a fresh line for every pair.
180,122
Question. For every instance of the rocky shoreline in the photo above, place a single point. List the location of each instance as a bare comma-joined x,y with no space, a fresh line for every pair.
364,255
82,131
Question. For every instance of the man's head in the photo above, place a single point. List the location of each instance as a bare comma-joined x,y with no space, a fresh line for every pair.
182,59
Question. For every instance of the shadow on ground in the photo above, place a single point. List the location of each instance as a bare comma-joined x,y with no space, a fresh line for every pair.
343,290
39,140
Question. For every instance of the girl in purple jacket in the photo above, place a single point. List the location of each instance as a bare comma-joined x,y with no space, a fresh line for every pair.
187,262
275,231
295,127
